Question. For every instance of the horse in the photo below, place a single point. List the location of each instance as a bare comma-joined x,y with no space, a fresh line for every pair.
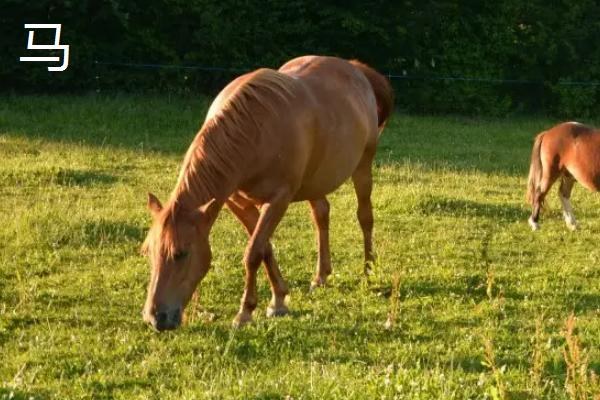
270,137
569,151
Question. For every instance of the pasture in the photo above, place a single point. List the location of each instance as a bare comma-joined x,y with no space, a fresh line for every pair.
465,302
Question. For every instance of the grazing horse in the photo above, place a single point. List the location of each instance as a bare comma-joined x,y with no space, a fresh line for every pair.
269,138
570,151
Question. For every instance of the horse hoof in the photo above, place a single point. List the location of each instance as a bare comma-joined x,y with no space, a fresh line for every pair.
241,320
534,225
572,227
314,285
277,311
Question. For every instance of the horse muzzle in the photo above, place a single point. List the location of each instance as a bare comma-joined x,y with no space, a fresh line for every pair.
164,320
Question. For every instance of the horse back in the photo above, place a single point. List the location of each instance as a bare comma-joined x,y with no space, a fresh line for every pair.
338,86
574,148
305,127
344,121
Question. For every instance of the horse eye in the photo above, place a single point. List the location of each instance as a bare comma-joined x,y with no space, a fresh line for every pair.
180,255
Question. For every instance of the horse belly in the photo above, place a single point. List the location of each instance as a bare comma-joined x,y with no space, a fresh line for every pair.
588,179
583,162
334,168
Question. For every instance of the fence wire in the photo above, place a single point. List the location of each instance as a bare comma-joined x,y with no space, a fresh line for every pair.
390,75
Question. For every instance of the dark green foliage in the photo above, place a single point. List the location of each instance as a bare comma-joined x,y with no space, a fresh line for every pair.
540,47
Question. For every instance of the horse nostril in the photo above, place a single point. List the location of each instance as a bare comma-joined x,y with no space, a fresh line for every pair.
161,318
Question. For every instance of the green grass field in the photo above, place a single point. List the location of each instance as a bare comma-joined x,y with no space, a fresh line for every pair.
475,302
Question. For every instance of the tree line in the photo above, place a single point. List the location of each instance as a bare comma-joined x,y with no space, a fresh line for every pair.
444,56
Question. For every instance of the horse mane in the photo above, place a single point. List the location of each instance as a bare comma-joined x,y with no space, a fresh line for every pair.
221,149
167,235
227,139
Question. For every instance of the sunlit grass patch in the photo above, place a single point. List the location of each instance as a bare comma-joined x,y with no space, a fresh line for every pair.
452,310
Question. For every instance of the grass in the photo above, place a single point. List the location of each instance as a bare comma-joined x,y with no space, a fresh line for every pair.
475,303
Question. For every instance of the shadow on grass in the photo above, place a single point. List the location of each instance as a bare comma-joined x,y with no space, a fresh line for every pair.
106,390
468,208
322,343
66,177
96,233
16,394
269,396
168,126
467,364
489,145
581,302
474,289
116,121
20,323
57,176
92,233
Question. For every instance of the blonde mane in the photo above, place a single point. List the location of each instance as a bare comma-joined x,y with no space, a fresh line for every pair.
166,235
227,138
221,148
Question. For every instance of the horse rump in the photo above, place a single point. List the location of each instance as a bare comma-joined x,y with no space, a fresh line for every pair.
384,94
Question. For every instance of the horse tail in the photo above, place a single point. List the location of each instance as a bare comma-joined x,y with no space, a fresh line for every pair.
384,95
535,169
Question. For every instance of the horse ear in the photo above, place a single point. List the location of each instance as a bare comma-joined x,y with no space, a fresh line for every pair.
209,211
154,205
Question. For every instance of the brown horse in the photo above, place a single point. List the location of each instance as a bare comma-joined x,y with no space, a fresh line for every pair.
570,151
269,138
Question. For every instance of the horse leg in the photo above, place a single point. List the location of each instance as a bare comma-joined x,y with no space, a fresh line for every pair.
320,216
548,178
363,185
564,192
248,216
270,215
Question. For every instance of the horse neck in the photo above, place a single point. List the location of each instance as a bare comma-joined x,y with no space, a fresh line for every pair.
203,176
